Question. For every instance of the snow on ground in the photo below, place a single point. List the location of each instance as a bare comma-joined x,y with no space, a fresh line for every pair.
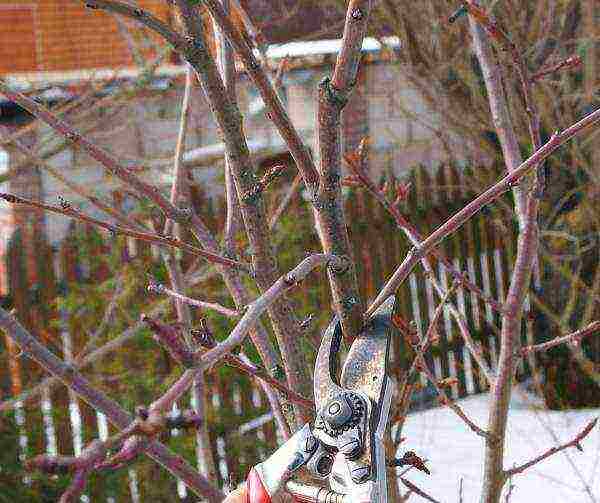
454,452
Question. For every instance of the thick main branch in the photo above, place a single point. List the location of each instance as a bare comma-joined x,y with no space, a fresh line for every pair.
328,203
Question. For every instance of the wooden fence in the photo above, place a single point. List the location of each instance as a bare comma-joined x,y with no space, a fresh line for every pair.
241,428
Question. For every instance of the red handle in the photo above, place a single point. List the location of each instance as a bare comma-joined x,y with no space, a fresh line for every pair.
255,489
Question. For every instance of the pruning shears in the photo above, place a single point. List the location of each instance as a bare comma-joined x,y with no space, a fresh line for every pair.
344,447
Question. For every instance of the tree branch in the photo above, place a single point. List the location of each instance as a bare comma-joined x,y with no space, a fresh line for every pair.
458,219
67,210
412,487
115,414
574,338
226,64
277,111
328,203
161,289
576,442
526,204
228,118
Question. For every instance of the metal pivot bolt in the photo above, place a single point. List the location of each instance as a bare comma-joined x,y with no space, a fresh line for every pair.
338,413
342,412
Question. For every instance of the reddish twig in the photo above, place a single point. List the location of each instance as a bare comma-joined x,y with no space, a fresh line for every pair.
417,490
490,24
458,219
67,210
161,289
113,411
445,399
574,338
576,442
420,364
565,64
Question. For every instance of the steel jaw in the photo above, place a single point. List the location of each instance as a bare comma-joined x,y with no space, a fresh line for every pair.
352,412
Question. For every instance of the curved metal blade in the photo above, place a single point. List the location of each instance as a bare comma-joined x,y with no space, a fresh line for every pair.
365,371
327,364
366,364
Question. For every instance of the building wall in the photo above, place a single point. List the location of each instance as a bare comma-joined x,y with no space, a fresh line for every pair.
61,35
142,132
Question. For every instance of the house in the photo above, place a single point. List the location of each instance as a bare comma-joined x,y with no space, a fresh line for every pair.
93,64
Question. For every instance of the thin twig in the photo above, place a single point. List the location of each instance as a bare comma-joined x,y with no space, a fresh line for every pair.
458,219
445,400
248,368
421,364
162,289
574,338
285,202
417,490
67,210
565,64
78,189
576,442
119,417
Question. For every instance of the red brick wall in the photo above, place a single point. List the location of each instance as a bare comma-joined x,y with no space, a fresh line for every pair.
61,35
17,24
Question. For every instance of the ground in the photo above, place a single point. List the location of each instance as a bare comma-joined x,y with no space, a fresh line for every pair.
455,453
